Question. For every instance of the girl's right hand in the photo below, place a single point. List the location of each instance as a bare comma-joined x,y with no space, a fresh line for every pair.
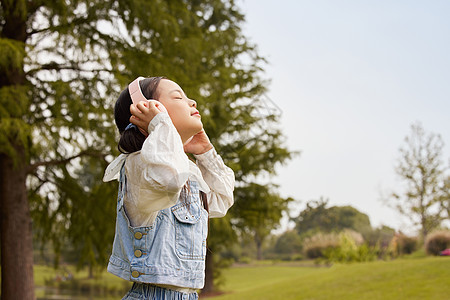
144,112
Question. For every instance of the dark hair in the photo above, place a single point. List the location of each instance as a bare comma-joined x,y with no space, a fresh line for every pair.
131,140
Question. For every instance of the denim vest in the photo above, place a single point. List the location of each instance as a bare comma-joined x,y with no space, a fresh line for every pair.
171,251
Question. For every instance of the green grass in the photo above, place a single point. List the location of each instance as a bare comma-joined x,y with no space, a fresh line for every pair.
407,278
412,277
102,285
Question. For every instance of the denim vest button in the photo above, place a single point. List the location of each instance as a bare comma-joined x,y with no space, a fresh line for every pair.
138,235
135,274
138,253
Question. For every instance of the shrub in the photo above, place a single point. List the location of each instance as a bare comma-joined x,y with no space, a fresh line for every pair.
245,260
315,246
437,242
347,246
381,237
402,244
350,249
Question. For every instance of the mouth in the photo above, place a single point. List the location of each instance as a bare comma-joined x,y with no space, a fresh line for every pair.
196,113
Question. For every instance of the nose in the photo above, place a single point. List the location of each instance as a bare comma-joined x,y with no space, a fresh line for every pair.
193,103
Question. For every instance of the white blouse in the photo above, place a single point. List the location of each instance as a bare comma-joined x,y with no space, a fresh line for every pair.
157,173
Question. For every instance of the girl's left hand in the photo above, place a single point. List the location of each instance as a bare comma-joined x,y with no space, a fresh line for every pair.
198,144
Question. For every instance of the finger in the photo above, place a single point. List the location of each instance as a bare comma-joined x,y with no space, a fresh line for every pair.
158,105
136,112
138,122
143,106
154,107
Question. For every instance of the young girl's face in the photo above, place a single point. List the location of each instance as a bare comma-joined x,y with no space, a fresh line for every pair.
182,110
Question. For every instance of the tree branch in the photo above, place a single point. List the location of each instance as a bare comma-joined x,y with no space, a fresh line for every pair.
91,153
57,67
76,21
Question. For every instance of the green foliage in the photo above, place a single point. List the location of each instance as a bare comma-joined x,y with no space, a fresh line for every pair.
257,211
349,251
317,217
288,243
346,246
12,54
85,235
14,130
437,241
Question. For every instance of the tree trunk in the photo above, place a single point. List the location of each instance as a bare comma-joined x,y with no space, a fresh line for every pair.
258,242
91,271
16,234
209,274
15,219
423,217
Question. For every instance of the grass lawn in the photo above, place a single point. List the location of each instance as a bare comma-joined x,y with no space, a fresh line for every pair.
405,278
104,284
412,278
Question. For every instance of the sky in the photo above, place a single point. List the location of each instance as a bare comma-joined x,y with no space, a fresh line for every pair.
351,77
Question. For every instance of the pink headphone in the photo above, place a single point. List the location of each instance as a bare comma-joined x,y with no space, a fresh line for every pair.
137,96
135,91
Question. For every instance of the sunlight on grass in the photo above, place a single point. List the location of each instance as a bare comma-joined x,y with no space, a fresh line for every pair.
424,278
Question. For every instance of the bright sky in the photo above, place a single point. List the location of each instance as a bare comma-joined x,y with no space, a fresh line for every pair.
351,76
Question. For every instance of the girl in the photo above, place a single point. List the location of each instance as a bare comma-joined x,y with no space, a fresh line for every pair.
164,198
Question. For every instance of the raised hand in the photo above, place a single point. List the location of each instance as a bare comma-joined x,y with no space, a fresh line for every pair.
198,144
144,112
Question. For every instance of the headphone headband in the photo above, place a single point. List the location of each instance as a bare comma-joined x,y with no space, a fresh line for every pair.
135,91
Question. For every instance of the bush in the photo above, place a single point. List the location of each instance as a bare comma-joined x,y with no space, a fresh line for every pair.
347,246
380,237
315,246
402,244
245,260
350,249
437,242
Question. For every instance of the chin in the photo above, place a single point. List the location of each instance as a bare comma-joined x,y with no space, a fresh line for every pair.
199,127
198,130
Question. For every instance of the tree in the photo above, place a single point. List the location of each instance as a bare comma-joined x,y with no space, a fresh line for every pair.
258,211
316,217
420,168
288,243
89,207
63,64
